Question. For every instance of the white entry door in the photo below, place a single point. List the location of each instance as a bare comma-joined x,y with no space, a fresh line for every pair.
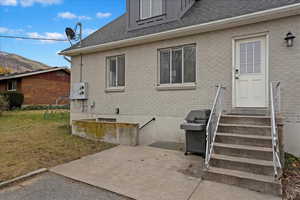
250,80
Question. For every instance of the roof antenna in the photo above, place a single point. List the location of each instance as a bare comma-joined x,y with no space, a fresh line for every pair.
73,35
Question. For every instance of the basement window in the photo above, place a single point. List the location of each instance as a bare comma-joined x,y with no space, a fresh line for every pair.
12,85
116,72
177,66
150,8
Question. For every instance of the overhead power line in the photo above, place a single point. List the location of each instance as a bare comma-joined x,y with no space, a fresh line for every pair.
32,38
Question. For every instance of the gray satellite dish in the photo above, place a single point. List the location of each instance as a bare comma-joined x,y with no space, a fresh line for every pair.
72,35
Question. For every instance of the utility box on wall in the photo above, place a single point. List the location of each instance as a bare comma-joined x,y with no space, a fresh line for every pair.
79,91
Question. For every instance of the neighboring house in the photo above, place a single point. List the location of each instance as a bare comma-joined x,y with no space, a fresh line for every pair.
163,58
42,87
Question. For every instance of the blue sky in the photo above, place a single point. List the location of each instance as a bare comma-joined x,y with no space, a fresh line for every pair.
48,18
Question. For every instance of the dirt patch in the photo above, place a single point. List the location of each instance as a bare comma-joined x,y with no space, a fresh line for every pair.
291,178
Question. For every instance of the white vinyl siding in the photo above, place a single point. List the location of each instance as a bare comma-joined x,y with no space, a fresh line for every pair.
177,65
150,8
116,71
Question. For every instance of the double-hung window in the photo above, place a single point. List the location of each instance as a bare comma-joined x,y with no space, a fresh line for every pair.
116,72
177,65
150,8
12,85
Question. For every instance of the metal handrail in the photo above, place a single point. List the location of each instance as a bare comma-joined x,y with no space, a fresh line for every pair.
275,109
213,123
147,123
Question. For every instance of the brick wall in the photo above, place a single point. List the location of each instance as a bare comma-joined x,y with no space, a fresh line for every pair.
45,88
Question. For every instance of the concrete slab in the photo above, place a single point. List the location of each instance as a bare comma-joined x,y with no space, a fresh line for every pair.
142,173
216,191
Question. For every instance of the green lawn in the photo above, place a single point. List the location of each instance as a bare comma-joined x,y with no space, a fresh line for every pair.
28,142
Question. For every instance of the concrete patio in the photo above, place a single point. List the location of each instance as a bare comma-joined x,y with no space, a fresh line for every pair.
147,173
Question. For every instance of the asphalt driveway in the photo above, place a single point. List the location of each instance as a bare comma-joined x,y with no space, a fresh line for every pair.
50,186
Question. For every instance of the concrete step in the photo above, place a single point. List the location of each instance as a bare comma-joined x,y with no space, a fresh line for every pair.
250,111
245,129
259,183
245,119
254,166
244,151
251,140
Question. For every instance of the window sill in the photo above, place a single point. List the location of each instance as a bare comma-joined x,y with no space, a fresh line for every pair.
116,89
150,18
186,86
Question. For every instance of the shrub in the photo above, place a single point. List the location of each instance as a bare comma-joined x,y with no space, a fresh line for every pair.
3,104
46,107
14,99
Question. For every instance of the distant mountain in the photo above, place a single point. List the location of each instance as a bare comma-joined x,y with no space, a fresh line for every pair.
18,64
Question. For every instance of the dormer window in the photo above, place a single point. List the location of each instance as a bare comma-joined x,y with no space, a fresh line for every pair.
150,8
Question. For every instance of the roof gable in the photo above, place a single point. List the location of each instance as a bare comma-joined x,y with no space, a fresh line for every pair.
203,11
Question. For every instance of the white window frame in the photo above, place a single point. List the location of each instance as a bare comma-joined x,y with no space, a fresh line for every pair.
14,85
151,11
116,88
182,85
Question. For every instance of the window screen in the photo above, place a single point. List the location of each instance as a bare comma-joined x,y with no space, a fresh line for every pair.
116,71
178,65
150,8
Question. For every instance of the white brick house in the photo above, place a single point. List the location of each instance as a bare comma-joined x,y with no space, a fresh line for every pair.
164,62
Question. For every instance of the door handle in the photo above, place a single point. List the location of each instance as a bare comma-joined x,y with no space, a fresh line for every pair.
237,74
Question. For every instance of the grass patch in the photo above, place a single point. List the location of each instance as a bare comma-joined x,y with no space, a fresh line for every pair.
29,141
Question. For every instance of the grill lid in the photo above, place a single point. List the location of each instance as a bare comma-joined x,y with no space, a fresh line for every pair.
198,116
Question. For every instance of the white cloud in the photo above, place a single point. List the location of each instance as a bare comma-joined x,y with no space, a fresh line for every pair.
3,30
53,35
84,18
69,15
103,15
8,2
27,3
10,31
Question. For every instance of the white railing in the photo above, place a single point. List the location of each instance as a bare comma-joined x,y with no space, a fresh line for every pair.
275,110
213,123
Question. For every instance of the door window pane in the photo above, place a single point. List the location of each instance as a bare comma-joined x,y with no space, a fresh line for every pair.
189,64
250,57
243,58
177,66
257,57
165,67
121,70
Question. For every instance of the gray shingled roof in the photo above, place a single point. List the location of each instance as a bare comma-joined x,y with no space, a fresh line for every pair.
202,12
32,73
